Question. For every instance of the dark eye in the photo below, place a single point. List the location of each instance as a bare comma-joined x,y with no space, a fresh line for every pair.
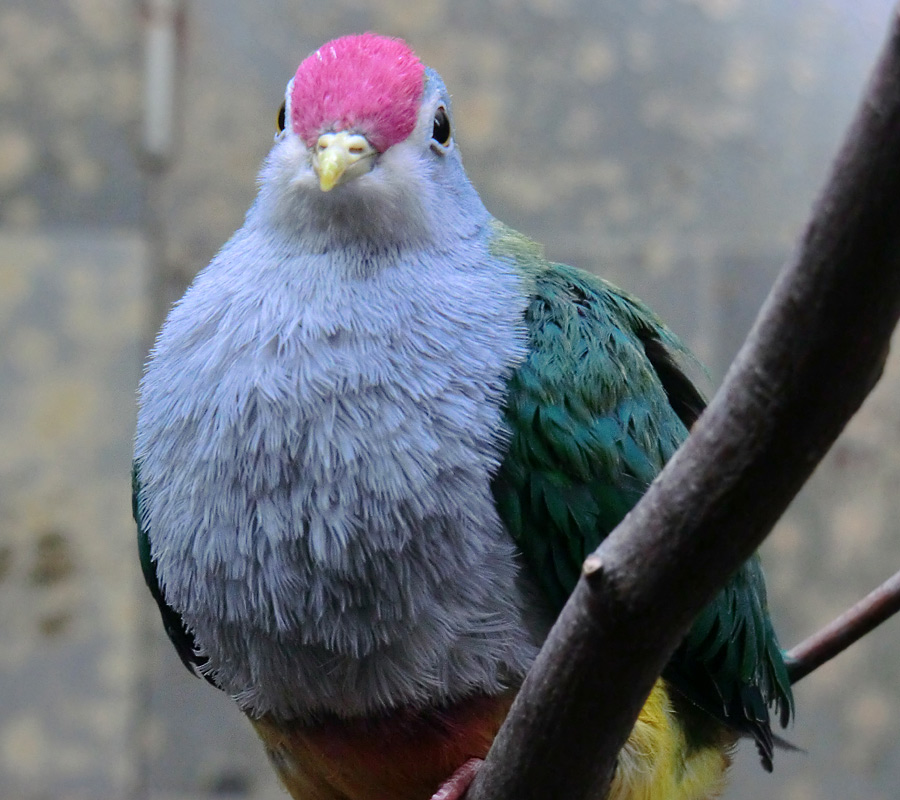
281,120
441,131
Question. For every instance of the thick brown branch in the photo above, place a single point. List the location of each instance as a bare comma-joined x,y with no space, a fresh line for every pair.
852,625
814,353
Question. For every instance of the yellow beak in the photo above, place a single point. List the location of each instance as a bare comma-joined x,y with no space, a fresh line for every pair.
341,156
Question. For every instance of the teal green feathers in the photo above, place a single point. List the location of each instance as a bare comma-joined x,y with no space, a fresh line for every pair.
743,670
595,411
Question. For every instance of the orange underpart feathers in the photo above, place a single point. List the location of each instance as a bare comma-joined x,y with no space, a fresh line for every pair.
403,756
366,84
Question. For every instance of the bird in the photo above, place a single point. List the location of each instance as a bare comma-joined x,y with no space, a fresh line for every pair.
376,439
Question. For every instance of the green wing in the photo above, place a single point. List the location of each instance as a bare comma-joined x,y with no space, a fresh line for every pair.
177,632
595,411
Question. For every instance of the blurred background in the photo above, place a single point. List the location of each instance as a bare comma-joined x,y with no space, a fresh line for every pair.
674,146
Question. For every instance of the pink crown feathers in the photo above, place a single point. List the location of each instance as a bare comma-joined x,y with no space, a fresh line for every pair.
366,83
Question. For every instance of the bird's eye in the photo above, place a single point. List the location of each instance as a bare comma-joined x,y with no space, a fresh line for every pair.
441,130
281,117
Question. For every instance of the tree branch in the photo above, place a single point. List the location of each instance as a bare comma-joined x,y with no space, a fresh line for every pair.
813,355
849,627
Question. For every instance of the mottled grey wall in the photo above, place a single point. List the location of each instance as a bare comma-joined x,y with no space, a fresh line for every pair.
72,308
672,145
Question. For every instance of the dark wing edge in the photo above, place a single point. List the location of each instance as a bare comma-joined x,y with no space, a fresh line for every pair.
177,631
686,400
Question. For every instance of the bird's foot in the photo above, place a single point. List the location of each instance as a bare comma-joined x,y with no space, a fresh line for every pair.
456,786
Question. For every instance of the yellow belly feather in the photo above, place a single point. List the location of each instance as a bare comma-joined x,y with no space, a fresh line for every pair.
657,762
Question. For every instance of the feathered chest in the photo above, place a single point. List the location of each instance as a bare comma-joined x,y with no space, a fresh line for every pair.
316,458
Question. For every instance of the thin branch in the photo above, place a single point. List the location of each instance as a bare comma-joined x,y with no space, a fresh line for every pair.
852,625
813,355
